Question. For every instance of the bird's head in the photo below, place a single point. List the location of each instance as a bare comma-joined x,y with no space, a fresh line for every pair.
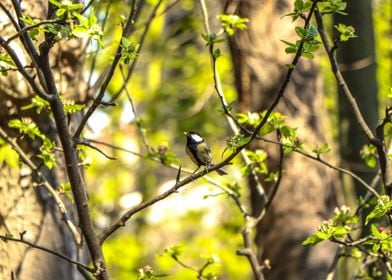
193,137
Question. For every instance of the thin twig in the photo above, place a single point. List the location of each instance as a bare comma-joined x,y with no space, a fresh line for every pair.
21,240
135,116
87,144
27,28
280,174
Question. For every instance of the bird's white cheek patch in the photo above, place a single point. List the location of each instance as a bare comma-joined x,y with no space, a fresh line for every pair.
197,138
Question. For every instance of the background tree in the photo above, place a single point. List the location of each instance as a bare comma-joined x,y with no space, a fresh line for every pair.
358,65
302,202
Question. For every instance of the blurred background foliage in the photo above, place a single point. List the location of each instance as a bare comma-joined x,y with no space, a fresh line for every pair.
173,91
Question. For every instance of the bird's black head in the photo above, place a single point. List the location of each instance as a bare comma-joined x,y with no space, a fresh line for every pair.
193,137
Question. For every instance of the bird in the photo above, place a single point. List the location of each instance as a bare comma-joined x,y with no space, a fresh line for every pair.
199,152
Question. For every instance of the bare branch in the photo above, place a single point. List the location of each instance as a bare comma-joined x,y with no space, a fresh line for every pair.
137,120
21,240
27,28
250,254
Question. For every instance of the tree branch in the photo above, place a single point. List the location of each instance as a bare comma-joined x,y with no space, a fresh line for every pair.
21,240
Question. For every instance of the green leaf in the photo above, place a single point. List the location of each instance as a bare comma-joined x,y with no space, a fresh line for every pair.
70,107
312,240
38,103
231,23
237,141
174,250
321,150
26,126
47,153
346,32
369,155
8,155
384,206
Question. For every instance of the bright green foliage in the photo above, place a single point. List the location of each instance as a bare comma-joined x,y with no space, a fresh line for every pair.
33,33
174,251
321,150
38,103
88,28
300,9
47,155
336,228
66,9
258,159
332,6
231,23
346,32
5,63
237,141
380,241
70,107
8,155
129,50
28,127
369,155
383,207
308,39
251,119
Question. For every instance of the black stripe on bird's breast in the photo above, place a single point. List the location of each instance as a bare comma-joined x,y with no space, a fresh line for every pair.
191,151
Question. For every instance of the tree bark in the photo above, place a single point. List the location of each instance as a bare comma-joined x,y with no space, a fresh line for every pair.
308,190
26,208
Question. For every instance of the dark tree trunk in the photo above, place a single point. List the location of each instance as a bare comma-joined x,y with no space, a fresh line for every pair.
307,191
356,59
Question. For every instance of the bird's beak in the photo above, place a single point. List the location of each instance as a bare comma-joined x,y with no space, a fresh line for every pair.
186,133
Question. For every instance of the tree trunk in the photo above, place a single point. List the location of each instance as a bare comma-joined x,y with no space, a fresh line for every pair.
27,209
356,59
307,191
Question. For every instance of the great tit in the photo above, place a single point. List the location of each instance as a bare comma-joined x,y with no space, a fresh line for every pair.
198,150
